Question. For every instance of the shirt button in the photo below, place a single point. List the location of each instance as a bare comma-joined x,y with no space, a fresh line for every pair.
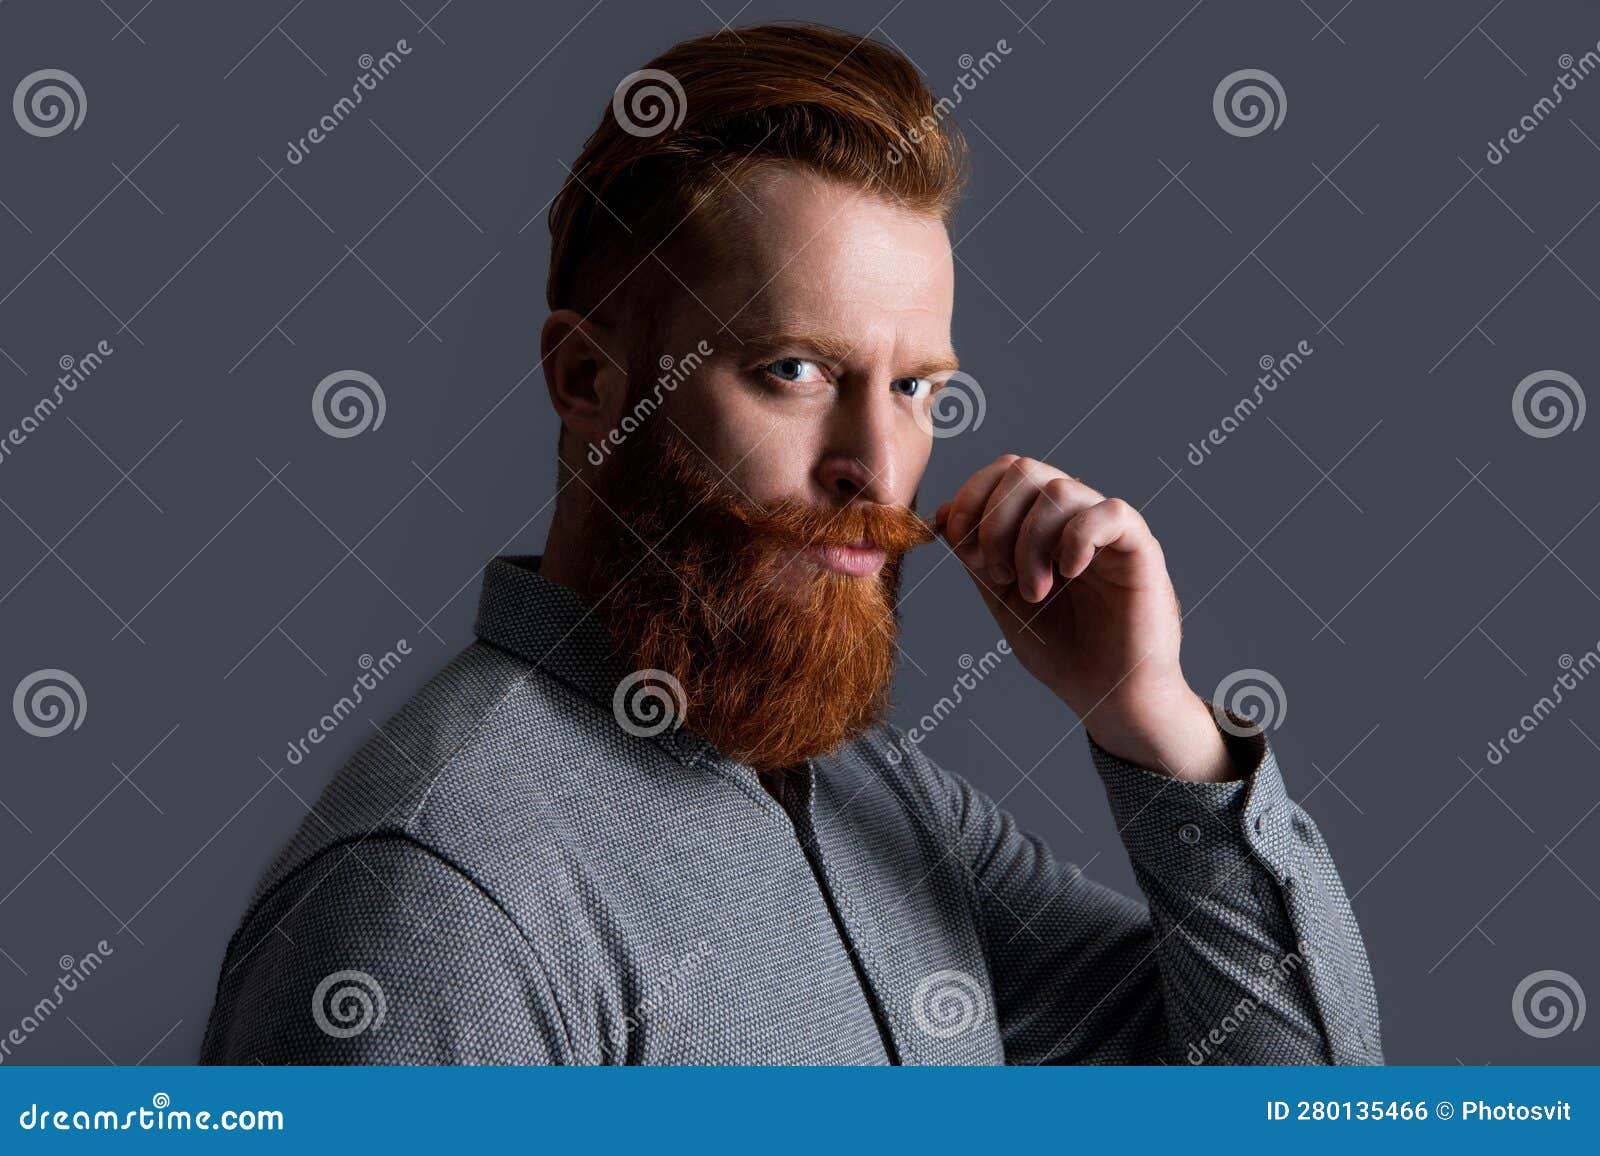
1189,833
1261,820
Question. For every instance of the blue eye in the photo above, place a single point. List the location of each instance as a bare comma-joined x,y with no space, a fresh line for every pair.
794,369
916,388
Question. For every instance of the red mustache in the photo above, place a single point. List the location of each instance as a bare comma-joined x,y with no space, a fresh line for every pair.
892,529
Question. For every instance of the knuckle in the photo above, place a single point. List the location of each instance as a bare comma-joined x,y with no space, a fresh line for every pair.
1059,488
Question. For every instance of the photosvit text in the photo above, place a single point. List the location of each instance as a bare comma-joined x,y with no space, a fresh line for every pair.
1375,1110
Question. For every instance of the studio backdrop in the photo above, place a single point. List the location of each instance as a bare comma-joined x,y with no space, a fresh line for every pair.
1314,286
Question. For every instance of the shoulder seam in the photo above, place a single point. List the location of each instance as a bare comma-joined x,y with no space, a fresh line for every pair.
406,839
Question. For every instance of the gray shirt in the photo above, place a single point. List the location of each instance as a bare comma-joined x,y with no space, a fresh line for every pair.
504,874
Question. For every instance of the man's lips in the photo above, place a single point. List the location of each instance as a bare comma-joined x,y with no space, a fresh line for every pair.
858,560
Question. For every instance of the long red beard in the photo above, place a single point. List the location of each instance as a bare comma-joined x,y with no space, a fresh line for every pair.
779,660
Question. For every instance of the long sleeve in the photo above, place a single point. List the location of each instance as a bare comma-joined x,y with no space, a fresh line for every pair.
1245,950
382,953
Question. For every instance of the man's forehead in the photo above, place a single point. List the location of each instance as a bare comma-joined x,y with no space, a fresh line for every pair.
834,291
780,233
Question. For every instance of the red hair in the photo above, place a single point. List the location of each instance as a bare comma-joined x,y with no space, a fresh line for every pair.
843,106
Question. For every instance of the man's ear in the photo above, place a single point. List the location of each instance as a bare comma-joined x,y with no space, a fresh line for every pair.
588,384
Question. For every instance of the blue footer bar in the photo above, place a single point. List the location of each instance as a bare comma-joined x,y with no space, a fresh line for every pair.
810,1109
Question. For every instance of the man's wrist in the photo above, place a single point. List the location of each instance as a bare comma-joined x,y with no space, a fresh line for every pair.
1176,736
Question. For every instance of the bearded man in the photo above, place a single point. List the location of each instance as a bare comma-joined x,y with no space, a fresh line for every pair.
655,813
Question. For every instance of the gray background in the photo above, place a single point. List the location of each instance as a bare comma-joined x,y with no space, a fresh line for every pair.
1381,536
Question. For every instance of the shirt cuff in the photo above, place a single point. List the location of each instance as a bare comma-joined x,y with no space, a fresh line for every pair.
1202,834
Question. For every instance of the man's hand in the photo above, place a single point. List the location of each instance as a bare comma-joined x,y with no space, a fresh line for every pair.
1079,587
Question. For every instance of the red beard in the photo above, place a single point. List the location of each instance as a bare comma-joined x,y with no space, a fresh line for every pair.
779,659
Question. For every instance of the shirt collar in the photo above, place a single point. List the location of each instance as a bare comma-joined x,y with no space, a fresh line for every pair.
558,630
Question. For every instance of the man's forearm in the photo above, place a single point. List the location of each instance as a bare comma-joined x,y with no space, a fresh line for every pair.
1260,957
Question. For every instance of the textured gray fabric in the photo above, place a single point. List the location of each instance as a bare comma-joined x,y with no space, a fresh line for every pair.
505,875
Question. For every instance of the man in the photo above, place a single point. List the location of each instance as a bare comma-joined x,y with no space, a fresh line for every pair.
654,814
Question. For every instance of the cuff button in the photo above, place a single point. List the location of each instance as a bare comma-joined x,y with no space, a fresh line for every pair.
1189,833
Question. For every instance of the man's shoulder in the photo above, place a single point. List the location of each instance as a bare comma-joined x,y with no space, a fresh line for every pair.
487,733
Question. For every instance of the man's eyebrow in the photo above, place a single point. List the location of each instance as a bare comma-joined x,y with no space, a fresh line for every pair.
836,349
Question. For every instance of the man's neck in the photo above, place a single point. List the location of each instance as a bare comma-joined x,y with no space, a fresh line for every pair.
565,552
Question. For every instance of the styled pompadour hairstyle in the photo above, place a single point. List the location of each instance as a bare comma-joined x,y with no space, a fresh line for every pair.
710,111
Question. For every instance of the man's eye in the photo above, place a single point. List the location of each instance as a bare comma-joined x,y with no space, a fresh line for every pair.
916,388
794,369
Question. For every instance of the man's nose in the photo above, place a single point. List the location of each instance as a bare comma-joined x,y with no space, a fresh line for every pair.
860,455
